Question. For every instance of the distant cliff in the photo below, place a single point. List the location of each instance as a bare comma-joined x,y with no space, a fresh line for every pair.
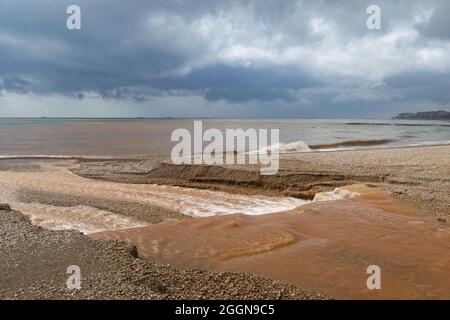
427,115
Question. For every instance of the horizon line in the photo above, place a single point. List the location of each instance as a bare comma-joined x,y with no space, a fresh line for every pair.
206,118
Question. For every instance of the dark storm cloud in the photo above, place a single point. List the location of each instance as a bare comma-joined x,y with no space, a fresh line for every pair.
15,83
298,52
235,83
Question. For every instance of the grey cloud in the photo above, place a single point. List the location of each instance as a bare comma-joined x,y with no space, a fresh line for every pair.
422,85
238,84
439,24
228,51
14,83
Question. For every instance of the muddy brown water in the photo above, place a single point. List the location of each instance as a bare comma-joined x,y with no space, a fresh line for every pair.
323,246
54,177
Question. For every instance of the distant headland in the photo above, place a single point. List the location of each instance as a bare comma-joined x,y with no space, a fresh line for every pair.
426,115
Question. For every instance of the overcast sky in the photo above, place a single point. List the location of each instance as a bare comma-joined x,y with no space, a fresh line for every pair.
205,58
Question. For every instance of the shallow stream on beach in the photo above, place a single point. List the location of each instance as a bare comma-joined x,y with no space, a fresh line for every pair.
54,178
325,246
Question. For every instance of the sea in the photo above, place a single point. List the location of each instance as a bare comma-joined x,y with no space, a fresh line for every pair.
142,136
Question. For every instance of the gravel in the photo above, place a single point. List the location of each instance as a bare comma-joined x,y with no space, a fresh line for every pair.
35,260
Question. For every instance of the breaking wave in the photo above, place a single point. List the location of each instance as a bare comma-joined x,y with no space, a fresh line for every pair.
300,146
292,147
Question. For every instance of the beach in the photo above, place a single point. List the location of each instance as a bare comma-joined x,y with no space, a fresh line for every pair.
246,153
114,194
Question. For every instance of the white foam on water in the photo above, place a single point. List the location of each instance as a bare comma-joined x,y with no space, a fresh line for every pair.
204,203
429,143
336,149
336,194
252,206
292,147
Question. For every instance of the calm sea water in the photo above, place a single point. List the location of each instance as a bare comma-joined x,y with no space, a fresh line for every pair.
128,137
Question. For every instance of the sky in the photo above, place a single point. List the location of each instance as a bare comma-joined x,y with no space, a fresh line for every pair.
227,59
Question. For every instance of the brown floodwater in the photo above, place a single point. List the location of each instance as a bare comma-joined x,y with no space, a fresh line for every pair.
324,246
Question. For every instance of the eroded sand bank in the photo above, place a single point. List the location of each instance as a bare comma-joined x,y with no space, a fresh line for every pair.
326,246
